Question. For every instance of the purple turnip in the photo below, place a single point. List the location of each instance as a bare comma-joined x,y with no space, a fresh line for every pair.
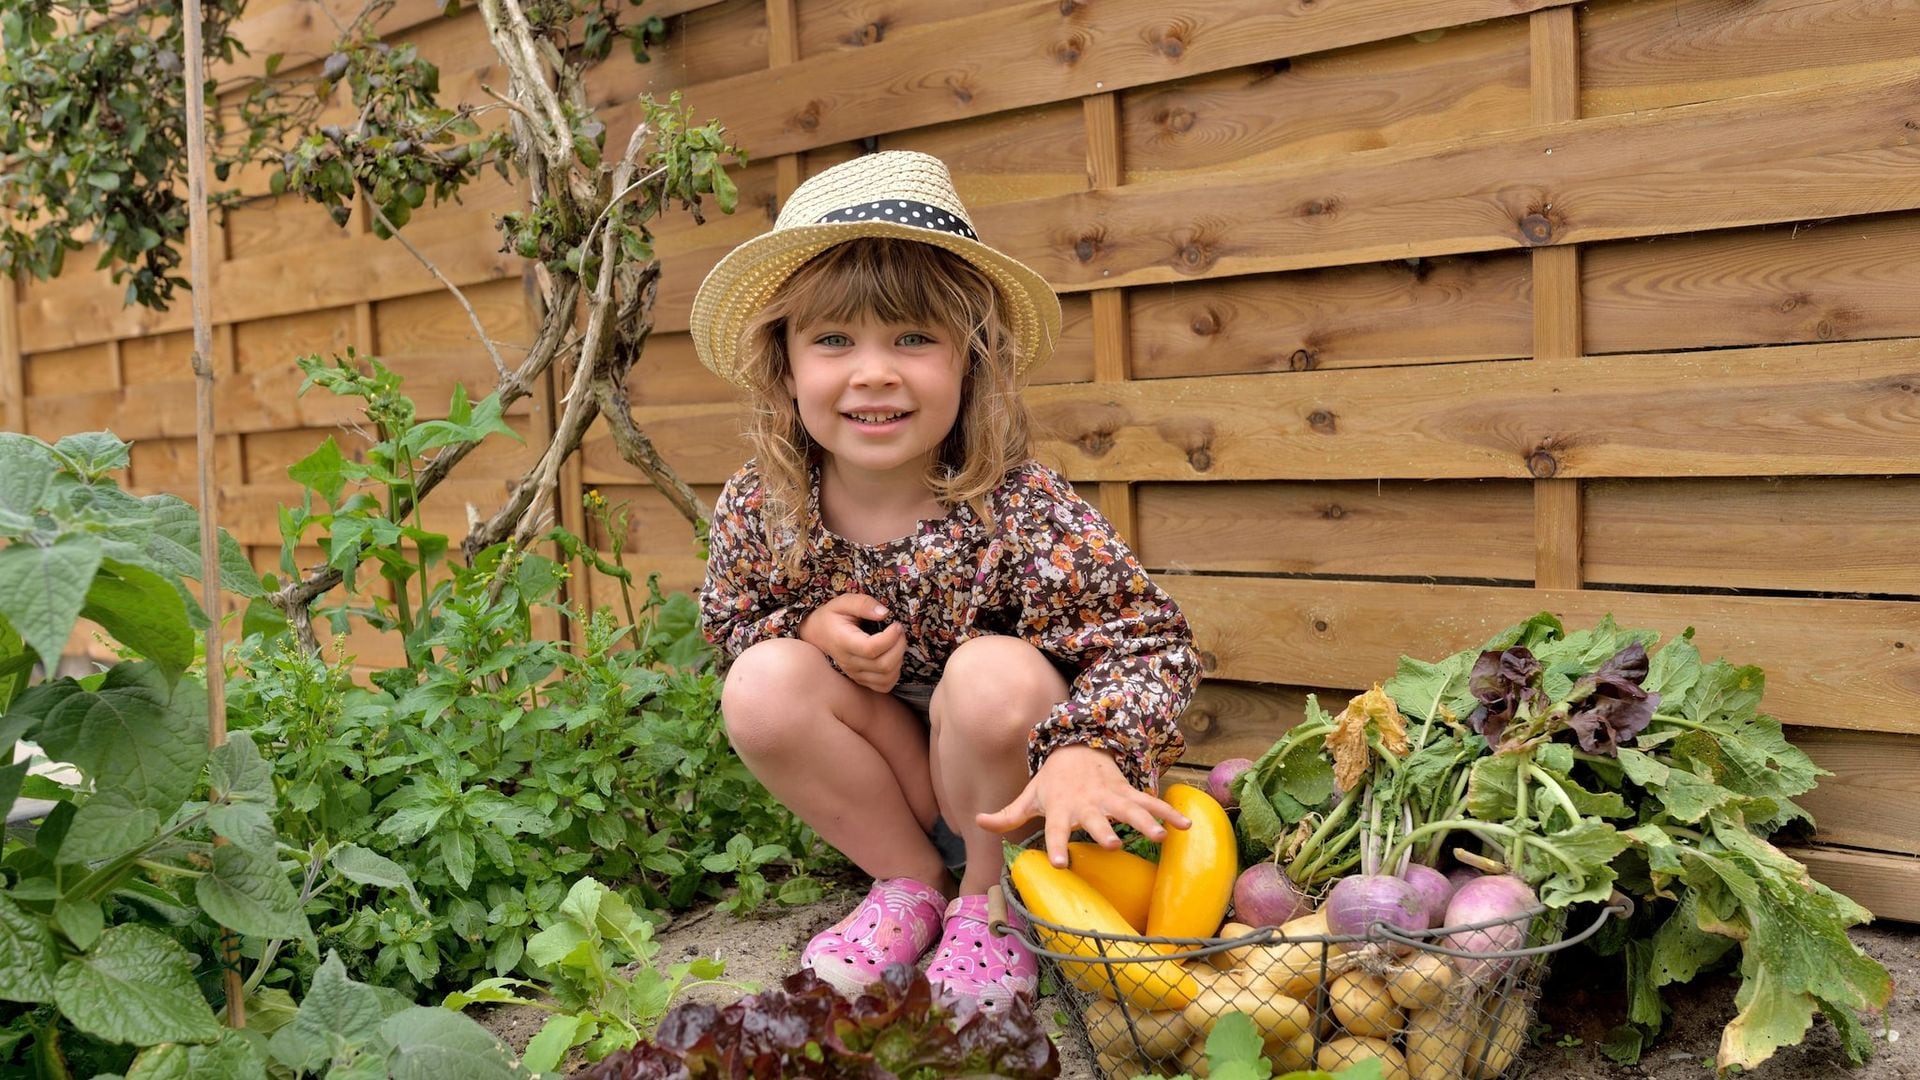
1222,777
1361,900
1435,890
1495,896
1264,896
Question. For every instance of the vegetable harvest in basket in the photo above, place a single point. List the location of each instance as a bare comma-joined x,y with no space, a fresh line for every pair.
1578,764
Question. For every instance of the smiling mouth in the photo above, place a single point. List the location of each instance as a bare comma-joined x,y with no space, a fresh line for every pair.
876,419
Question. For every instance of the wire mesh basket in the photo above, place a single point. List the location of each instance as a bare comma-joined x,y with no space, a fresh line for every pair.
1445,1002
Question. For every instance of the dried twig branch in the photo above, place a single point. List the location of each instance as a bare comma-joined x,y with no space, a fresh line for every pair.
499,365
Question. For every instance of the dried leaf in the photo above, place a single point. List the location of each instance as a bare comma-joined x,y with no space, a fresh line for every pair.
1347,742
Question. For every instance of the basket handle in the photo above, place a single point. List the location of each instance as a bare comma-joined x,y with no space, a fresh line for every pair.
1619,905
997,911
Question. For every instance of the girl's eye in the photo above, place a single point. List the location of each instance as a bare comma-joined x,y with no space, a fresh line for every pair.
915,338
835,341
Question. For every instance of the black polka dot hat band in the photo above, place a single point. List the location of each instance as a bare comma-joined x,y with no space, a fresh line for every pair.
925,215
898,193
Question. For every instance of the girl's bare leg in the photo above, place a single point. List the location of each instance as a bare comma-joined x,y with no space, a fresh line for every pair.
848,761
993,692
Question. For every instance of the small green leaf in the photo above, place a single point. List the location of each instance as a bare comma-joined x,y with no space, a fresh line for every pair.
434,1044
43,588
251,894
326,471
232,1058
144,612
550,1046
28,955
243,782
136,986
337,1014
81,920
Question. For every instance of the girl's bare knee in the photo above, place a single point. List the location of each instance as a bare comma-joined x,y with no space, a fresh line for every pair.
762,687
994,689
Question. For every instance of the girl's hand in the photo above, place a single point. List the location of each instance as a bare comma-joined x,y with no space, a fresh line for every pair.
1080,787
872,660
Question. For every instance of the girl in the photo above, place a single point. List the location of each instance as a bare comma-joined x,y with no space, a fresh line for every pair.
932,639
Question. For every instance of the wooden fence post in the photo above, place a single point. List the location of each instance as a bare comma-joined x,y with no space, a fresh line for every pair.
1112,336
1556,305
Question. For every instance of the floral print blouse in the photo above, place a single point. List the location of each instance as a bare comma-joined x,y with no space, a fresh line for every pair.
1050,571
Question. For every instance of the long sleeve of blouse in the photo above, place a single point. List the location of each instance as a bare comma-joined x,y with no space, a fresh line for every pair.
744,599
1087,603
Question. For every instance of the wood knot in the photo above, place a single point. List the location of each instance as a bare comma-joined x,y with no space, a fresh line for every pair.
1068,50
1790,303
1205,324
1319,626
1171,45
1087,246
1209,660
1096,443
1201,722
1911,125
1071,7
1542,464
1536,228
1333,512
1320,207
1177,119
1192,257
1322,421
1301,360
1825,330
1200,458
808,118
870,34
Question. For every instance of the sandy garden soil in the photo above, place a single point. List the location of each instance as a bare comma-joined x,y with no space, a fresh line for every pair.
765,949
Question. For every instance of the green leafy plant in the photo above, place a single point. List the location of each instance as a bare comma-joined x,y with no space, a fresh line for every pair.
1583,763
596,1003
112,904
499,764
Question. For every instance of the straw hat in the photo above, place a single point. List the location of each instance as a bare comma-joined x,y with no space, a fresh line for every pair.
897,193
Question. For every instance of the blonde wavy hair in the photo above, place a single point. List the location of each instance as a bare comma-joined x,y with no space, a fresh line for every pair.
895,281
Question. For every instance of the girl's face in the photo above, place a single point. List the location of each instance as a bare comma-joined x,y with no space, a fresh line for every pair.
878,397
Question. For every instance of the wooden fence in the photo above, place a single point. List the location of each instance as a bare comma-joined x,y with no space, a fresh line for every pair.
1389,322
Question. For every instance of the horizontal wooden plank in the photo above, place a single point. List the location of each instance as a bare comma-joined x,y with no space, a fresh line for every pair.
1442,310
60,370
1797,409
1873,798
1709,166
1852,664
834,25
1887,885
1042,51
1810,409
1389,93
264,399
1637,55
1347,528
1817,534
154,358
1849,279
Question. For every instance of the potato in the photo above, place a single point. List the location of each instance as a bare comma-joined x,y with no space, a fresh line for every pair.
1293,969
1422,982
1193,1059
1161,1034
1362,1005
1295,1054
1116,1066
1275,1016
1501,1036
1437,1044
1233,958
1340,1053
